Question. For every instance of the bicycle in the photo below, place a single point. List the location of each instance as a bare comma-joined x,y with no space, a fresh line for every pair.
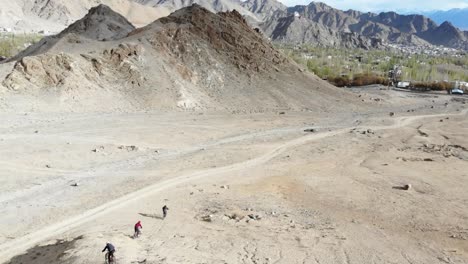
110,260
137,233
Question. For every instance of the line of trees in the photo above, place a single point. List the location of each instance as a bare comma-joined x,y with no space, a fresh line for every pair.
345,67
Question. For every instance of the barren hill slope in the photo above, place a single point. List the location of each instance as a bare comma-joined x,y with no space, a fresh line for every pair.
192,59
101,23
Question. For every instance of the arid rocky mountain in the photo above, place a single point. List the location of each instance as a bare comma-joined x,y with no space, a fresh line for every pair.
293,29
387,26
192,59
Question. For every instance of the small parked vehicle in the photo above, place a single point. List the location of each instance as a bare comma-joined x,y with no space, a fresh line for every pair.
457,91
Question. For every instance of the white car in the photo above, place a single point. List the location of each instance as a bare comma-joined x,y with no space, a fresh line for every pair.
456,91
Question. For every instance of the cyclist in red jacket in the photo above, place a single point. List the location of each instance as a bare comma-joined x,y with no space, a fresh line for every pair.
138,228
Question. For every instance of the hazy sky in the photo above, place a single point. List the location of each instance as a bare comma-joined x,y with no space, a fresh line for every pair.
385,5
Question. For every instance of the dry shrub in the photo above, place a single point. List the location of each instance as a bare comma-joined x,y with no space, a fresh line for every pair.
358,80
340,81
437,86
368,79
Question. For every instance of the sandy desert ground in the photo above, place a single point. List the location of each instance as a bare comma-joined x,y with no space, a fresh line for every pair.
245,188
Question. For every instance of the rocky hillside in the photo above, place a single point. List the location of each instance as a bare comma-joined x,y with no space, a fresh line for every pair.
100,24
298,30
191,60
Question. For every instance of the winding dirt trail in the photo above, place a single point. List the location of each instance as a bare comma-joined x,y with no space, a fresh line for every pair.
18,245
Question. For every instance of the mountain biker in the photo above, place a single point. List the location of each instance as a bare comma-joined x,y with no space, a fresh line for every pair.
111,249
164,209
138,228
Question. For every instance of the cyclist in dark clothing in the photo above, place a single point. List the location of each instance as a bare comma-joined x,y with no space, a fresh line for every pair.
164,209
111,249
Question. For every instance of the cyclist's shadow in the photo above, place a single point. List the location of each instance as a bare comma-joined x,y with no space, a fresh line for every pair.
155,216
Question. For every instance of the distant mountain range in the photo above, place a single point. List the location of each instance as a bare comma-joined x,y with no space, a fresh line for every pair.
316,23
458,17
321,24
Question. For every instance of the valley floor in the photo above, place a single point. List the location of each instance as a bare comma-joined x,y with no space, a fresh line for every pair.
250,188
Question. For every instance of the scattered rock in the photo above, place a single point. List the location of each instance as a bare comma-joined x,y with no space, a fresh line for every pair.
445,150
407,187
392,114
255,217
310,130
282,113
207,218
37,131
224,187
75,184
234,216
48,166
129,148
100,148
